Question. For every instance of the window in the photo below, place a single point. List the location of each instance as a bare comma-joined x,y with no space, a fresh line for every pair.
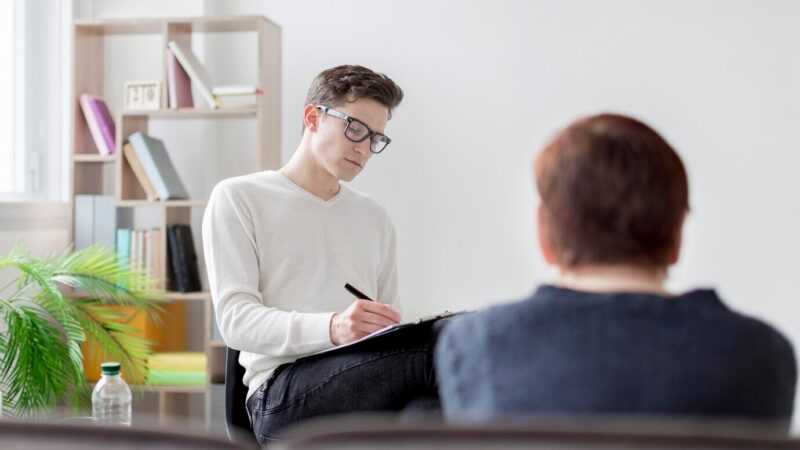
6,98
34,38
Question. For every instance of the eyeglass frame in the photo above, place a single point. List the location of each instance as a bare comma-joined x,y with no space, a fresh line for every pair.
340,115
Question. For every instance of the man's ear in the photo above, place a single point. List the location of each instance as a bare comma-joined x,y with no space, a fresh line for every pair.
543,234
675,251
311,117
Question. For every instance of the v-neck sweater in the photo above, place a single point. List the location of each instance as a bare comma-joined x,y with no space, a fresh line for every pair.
278,258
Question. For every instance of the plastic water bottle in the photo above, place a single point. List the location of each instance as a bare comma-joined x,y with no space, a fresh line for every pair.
111,398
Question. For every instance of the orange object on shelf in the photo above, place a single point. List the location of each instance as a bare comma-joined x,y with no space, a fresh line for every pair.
167,335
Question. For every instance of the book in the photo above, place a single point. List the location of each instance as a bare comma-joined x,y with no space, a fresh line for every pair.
101,124
139,172
237,101
84,221
157,165
177,361
124,246
237,90
105,221
147,256
185,274
195,69
213,96
95,221
134,258
179,85
176,378
140,265
156,266
124,249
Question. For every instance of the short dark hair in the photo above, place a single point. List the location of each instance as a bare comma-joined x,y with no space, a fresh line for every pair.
349,83
613,191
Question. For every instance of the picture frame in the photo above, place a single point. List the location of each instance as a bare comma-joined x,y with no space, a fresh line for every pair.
142,95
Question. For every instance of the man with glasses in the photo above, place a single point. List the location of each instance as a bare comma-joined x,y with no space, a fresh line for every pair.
280,247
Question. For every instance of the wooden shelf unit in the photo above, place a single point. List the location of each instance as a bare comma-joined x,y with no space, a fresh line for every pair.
95,174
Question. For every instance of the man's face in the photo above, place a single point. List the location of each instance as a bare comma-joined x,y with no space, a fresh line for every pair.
333,151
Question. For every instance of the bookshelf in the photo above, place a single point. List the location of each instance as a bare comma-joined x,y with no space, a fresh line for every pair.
95,174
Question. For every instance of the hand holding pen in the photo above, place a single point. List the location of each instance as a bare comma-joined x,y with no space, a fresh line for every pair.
362,317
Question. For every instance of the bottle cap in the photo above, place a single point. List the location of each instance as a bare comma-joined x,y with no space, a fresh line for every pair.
110,368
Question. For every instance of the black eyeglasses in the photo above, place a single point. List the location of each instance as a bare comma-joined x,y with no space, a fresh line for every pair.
358,131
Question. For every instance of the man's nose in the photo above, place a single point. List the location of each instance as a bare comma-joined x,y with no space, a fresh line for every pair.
363,146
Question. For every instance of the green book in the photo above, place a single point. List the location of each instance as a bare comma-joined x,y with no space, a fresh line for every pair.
177,377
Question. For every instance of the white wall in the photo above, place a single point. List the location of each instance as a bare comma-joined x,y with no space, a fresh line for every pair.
486,84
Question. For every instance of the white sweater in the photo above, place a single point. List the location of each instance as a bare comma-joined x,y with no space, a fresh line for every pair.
278,258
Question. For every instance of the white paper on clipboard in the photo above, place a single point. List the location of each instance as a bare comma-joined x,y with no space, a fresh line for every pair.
391,329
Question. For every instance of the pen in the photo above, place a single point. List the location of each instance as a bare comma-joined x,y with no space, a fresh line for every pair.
356,292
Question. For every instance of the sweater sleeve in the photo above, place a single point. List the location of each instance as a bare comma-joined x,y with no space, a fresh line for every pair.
245,321
387,278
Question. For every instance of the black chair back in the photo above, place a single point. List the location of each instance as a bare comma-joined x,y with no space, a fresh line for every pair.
236,421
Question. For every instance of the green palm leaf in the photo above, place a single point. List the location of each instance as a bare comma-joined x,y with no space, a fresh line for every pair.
41,363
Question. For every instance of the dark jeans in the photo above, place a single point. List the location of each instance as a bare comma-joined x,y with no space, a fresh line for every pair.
389,373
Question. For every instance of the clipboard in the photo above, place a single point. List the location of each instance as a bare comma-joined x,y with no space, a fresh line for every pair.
390,329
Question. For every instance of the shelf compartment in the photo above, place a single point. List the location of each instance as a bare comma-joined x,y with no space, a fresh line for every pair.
190,113
189,296
155,25
93,158
190,203
170,389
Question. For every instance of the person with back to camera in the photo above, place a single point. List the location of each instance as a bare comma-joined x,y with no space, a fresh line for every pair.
607,337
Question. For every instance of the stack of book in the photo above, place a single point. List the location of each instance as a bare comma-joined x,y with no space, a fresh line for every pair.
177,369
141,250
150,163
185,70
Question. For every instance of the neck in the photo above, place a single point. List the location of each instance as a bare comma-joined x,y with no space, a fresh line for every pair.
614,279
305,172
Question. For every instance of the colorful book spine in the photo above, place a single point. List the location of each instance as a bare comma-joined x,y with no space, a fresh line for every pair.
100,123
178,361
176,378
179,85
196,71
124,248
156,266
185,273
139,172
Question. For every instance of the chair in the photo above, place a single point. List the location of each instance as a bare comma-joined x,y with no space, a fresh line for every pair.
21,435
554,433
237,423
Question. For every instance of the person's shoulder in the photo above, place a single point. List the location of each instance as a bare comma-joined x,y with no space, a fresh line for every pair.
256,180
757,331
483,324
256,184
750,331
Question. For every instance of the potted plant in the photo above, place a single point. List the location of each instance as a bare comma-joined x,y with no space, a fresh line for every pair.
49,309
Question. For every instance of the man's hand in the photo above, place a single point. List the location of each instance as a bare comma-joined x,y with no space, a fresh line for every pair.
361,318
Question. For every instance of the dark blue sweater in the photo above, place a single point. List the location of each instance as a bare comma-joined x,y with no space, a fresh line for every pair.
564,351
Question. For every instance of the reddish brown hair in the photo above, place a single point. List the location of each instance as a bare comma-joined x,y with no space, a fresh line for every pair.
342,84
613,191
